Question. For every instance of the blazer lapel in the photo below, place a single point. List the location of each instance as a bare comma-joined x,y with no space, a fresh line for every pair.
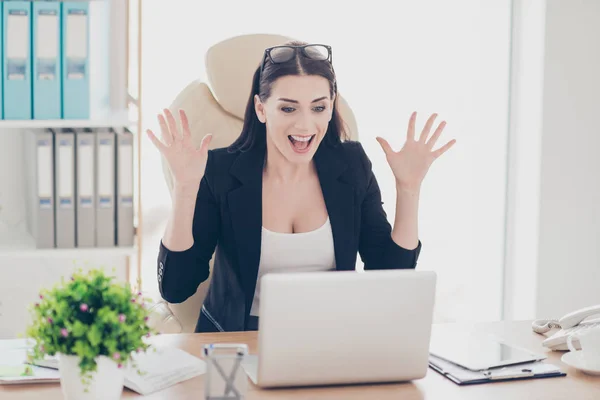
245,207
339,200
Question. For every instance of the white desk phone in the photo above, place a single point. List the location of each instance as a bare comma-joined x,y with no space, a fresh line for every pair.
570,323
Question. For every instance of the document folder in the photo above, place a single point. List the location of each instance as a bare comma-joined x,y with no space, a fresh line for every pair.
105,188
47,100
124,205
76,83
16,59
64,203
463,376
40,194
85,210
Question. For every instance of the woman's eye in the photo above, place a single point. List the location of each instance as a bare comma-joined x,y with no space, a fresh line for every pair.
292,109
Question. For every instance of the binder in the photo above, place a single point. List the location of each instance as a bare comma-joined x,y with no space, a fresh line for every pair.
1,58
39,162
85,211
64,193
16,60
124,195
47,101
105,187
75,60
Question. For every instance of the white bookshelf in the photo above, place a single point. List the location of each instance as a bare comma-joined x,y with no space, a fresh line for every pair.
101,121
115,31
21,244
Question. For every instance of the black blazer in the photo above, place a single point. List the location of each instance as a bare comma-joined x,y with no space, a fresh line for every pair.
228,216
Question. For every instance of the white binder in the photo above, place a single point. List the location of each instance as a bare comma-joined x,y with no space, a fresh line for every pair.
46,53
75,59
64,195
17,60
40,194
85,210
105,187
124,205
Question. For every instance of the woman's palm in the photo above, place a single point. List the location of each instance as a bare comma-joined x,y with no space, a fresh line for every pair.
187,164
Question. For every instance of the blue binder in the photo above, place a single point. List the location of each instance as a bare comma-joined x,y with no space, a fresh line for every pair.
46,40
1,63
75,60
16,59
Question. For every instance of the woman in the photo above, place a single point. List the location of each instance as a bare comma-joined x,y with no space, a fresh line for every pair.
290,194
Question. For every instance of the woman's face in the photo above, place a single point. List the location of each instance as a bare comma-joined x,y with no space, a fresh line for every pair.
296,115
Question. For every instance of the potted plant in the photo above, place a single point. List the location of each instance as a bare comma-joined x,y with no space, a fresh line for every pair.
94,326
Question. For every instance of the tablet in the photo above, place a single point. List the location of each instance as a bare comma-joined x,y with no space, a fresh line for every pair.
479,352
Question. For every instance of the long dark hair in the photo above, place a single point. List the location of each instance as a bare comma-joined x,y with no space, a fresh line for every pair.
254,131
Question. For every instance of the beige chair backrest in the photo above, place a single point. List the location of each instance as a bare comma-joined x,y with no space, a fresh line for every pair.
218,108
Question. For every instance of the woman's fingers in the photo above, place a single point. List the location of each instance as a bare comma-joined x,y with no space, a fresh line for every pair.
166,135
172,125
205,143
410,132
185,125
387,149
427,128
159,145
433,139
444,148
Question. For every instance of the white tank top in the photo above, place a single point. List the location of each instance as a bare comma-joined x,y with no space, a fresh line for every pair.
294,252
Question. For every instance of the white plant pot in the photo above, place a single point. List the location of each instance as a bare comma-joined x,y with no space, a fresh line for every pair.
106,383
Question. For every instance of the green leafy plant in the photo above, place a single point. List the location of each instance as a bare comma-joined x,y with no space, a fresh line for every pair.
89,316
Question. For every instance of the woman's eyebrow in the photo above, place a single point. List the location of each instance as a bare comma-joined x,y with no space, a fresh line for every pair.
296,101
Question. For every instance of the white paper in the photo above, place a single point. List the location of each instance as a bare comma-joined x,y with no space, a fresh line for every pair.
125,170
44,170
76,31
40,375
17,36
163,368
85,181
65,173
47,36
105,170
13,353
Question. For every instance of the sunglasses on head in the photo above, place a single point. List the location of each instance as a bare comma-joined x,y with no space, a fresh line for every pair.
285,53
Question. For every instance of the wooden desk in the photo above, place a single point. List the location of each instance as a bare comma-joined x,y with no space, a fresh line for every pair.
575,385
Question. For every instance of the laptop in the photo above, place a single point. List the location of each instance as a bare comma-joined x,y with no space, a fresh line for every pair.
343,327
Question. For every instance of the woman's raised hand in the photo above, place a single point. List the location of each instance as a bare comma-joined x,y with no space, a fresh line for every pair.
187,163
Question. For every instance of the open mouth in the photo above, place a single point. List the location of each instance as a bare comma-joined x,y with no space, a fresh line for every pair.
301,144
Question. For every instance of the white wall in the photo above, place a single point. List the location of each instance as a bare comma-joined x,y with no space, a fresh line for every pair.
569,247
553,219
524,158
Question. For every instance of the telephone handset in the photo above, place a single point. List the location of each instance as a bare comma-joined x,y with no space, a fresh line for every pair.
570,323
